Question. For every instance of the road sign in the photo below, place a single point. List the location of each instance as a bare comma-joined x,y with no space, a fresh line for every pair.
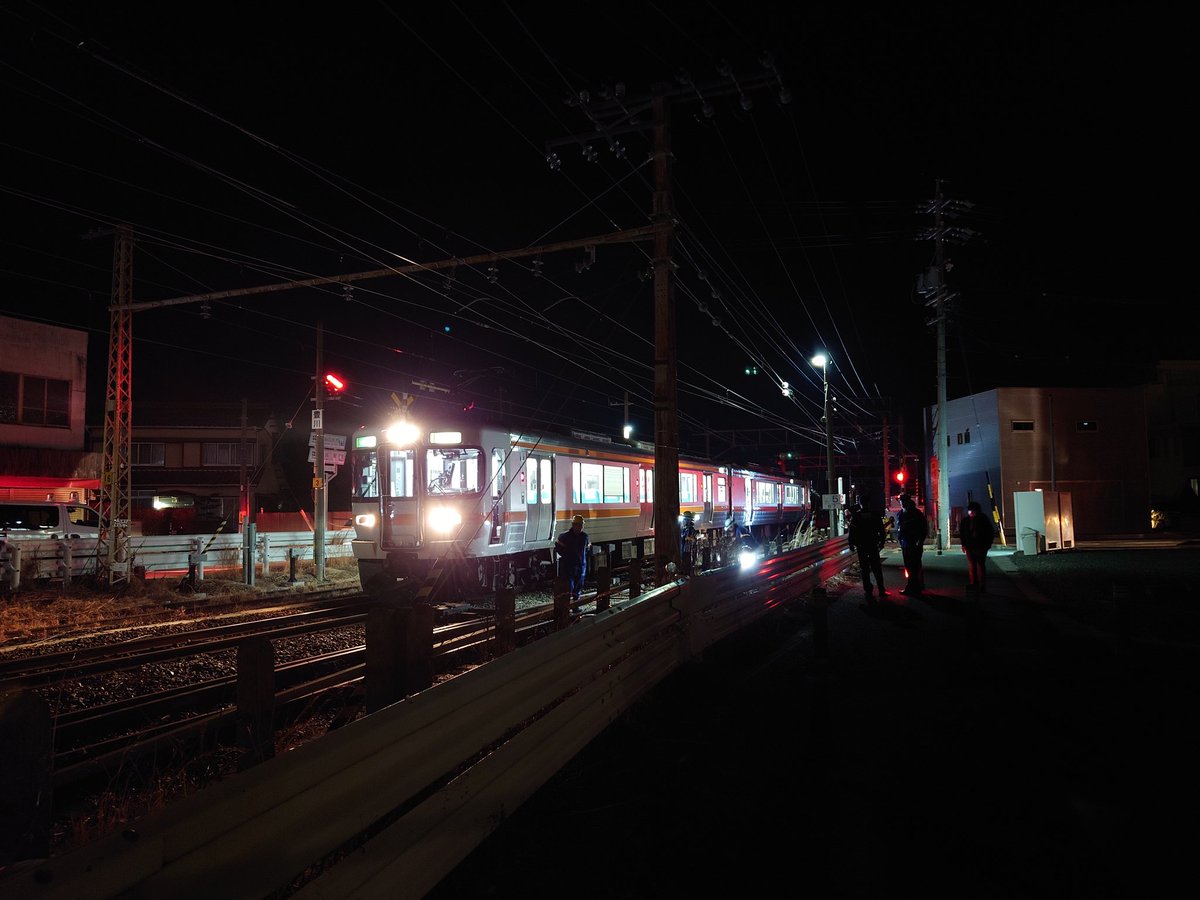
833,501
332,442
332,457
317,419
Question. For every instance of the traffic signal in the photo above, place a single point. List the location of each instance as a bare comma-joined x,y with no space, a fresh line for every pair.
901,476
334,384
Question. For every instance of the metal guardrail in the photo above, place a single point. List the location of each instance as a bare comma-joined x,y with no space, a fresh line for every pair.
29,559
394,801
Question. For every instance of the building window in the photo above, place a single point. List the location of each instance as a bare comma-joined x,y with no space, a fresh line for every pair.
967,436
32,400
1087,425
226,453
1022,424
960,438
147,453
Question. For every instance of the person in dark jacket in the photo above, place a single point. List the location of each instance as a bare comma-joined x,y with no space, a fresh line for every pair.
913,530
976,534
572,547
867,535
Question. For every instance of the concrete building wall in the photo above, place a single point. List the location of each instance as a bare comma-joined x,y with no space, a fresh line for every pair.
1090,442
33,351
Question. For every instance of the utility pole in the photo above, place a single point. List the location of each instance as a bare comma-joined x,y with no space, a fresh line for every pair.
318,427
615,116
666,394
887,466
115,476
941,434
933,286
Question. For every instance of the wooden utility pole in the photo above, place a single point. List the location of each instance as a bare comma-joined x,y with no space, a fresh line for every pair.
666,392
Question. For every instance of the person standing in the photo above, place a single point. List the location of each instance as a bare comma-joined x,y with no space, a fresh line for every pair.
867,535
913,530
976,534
572,549
687,542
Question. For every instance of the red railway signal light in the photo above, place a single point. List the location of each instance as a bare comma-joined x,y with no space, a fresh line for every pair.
334,384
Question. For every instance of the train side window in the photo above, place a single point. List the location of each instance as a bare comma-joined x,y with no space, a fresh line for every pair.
616,484
687,487
720,488
791,495
646,491
547,481
497,475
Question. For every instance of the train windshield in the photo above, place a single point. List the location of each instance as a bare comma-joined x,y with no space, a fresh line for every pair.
366,475
453,470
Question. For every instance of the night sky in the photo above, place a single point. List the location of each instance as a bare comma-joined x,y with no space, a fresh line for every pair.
248,148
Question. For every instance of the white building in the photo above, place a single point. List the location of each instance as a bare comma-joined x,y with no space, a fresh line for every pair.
1089,442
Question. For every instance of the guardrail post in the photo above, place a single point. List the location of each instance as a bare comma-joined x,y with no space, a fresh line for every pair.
506,620
820,617
265,542
255,701
399,653
562,604
635,577
64,562
10,566
384,658
27,750
248,544
603,587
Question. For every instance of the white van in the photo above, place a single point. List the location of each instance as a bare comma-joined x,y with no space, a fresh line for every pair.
47,520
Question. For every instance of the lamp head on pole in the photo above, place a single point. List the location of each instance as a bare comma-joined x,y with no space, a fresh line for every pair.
820,361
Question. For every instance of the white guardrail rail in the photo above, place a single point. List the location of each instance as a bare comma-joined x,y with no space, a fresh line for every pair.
30,559
388,805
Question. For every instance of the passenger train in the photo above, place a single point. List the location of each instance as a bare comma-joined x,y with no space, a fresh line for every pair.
491,501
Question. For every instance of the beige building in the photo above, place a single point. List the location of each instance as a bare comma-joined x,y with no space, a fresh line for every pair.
43,388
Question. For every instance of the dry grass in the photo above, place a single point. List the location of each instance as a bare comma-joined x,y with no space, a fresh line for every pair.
41,606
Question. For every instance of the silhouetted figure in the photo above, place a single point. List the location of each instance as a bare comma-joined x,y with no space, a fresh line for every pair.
913,530
571,547
867,536
976,534
688,538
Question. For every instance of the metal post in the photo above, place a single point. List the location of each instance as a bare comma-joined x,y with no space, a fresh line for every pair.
318,425
834,521
942,435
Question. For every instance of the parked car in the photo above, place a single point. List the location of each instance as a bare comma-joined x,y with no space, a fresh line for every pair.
47,520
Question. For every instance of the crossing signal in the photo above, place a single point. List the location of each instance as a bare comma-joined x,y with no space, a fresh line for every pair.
334,384
900,477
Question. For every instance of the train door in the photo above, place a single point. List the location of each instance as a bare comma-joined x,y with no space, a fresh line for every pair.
498,484
645,499
708,498
539,498
747,489
398,525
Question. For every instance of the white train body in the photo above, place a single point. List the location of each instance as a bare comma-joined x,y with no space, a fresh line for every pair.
497,499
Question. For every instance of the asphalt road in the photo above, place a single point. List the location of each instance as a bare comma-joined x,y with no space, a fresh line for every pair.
1043,748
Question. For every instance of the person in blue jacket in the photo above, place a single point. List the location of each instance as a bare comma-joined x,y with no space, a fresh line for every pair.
572,549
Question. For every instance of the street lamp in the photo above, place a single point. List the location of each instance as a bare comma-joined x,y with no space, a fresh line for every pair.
821,361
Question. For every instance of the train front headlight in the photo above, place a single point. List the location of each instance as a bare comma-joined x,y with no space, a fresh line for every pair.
443,519
367,520
403,434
